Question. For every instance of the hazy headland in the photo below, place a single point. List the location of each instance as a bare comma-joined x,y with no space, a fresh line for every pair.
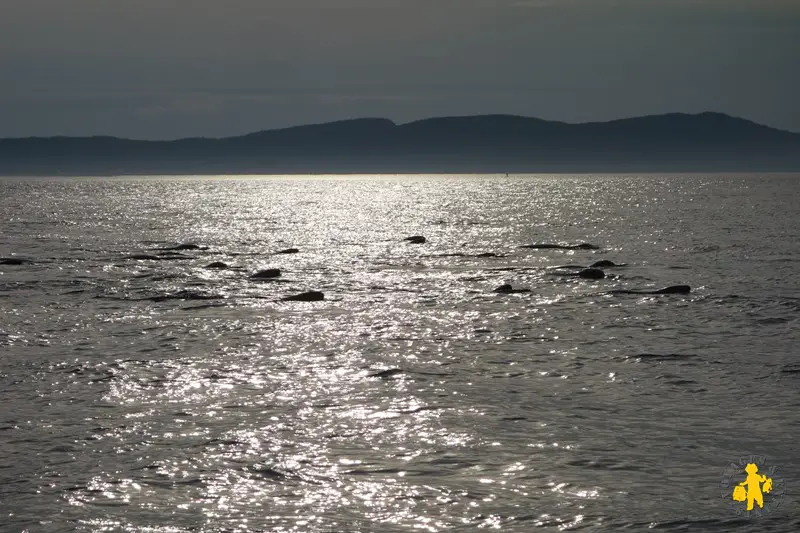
705,142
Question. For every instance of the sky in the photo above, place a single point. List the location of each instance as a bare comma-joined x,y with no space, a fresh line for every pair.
164,69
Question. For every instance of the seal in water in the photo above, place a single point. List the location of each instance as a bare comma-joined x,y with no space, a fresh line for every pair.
672,289
310,296
288,251
266,274
546,246
506,288
415,239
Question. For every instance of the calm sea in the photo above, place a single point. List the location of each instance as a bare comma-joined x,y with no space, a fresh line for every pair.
160,396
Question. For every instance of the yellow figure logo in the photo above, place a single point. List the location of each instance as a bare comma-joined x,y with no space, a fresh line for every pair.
751,489
763,488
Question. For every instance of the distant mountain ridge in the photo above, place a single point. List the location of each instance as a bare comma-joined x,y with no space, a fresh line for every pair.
481,143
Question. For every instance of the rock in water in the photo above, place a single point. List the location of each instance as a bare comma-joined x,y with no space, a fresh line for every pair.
288,251
310,296
267,274
14,261
188,246
217,265
672,289
548,246
415,239
591,273
506,288
605,263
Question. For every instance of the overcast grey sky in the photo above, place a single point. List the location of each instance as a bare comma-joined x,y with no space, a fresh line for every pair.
170,68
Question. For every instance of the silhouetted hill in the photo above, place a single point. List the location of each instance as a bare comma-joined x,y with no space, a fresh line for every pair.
485,143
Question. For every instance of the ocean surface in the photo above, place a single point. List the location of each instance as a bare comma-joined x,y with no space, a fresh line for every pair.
141,395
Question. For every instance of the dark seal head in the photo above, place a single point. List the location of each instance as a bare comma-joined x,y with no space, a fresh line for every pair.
415,239
591,273
267,274
310,296
288,251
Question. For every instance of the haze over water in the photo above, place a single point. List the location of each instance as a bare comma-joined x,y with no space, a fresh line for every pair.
160,396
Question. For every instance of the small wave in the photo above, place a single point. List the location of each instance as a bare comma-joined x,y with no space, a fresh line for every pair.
371,472
704,249
681,382
223,442
387,374
688,525
268,473
179,295
203,306
663,357
605,464
174,483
